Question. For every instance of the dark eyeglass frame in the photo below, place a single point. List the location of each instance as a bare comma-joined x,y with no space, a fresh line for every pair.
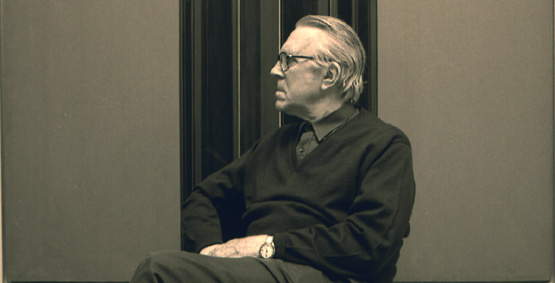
284,60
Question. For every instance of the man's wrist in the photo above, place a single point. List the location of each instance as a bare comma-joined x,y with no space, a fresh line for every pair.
268,249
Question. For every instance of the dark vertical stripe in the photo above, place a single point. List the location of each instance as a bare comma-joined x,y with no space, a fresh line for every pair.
236,22
269,48
373,56
250,73
217,94
197,68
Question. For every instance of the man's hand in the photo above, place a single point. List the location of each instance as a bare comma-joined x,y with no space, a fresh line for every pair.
242,247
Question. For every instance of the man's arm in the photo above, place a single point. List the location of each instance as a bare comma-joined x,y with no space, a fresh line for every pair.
371,236
200,219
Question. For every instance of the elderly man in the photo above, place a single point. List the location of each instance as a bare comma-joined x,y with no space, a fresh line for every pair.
327,200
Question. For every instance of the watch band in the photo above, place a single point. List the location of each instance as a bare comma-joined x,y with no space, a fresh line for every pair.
270,240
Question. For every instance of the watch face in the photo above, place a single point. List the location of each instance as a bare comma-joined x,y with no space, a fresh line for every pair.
266,251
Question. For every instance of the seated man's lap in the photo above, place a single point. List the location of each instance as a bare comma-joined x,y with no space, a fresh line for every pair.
177,266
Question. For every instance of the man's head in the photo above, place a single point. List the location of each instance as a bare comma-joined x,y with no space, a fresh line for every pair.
320,67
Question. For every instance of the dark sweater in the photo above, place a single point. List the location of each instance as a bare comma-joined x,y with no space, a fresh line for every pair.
344,209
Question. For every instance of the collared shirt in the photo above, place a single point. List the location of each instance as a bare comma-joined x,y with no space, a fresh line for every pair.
311,135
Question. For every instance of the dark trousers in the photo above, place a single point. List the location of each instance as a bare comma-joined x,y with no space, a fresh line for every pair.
185,267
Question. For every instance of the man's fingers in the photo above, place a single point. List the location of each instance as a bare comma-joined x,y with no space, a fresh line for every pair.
224,251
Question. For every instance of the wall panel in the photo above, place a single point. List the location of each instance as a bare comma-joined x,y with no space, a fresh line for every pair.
471,83
90,137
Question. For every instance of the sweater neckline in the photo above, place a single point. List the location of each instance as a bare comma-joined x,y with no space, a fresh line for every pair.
295,164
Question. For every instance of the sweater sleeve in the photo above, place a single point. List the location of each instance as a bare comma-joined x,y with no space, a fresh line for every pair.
370,238
201,225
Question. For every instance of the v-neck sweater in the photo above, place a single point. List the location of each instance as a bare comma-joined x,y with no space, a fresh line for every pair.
343,209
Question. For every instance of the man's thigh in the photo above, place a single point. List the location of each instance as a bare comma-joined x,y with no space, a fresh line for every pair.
189,267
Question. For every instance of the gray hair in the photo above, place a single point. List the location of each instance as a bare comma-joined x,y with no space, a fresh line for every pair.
345,48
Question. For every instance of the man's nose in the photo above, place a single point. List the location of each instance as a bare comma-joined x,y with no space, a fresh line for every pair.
276,71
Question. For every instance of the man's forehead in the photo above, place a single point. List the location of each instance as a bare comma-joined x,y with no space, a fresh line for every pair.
303,39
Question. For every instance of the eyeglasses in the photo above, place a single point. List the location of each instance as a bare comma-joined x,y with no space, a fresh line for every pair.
285,60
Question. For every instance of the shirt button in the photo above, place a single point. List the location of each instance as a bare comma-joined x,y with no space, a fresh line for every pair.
301,150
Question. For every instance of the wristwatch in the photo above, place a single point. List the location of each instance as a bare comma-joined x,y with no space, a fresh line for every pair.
267,250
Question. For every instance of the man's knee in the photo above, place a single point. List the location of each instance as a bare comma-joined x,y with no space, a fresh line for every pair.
159,265
152,260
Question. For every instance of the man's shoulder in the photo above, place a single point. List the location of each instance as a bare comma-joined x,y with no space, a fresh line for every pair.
375,128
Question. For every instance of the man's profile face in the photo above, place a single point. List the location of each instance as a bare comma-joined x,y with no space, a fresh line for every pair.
299,87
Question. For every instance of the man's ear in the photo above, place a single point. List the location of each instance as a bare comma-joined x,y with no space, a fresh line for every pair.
332,76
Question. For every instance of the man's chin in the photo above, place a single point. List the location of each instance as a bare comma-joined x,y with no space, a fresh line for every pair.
281,106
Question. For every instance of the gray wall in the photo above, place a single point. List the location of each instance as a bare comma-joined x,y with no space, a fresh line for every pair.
471,83
90,137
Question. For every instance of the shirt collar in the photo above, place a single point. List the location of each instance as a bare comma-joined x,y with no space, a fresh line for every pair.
333,121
